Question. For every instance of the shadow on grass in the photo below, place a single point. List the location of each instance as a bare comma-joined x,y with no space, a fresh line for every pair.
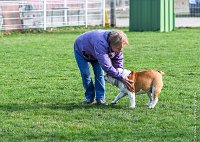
19,107
54,106
73,106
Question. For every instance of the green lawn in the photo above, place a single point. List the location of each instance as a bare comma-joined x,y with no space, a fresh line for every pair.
41,90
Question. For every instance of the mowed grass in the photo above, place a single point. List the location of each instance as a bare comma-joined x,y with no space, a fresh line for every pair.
41,90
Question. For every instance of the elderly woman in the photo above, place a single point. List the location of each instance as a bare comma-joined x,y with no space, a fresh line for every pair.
103,50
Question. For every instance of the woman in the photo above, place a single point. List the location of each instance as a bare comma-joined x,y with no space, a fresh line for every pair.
103,50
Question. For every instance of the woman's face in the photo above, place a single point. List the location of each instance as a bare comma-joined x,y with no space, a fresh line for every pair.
117,49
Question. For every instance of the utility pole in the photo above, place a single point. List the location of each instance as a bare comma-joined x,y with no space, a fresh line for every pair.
113,13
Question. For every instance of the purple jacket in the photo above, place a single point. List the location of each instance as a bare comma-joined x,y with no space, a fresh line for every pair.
94,46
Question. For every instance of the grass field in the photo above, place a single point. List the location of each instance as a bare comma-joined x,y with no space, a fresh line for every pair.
41,90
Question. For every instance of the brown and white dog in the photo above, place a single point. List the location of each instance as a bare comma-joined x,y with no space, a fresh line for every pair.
148,81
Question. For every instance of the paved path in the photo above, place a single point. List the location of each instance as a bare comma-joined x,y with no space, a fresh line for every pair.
180,22
187,22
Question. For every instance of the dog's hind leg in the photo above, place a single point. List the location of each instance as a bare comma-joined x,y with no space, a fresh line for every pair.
150,95
156,89
152,99
119,96
155,101
155,94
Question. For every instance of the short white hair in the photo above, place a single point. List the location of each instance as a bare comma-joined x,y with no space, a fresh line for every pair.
118,38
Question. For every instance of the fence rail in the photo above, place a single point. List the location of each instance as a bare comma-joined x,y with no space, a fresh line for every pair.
50,13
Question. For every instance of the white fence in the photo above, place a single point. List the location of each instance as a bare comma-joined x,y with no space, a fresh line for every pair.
25,14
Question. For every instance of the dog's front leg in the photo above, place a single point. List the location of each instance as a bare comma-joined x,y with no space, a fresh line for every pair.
131,96
119,96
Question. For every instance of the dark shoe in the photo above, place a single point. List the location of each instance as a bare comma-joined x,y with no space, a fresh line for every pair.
87,102
100,102
112,104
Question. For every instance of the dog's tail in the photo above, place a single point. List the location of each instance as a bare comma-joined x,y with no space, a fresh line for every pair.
161,72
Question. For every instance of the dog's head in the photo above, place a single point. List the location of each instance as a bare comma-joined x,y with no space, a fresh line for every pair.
112,80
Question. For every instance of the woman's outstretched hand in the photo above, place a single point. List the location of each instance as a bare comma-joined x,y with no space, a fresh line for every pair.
128,84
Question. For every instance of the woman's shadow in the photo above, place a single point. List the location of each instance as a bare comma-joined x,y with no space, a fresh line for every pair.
11,107
73,106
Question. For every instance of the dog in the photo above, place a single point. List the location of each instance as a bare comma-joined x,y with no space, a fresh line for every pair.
148,81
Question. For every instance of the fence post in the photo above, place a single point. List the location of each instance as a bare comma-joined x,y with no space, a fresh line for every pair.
113,13
104,12
86,13
45,14
65,11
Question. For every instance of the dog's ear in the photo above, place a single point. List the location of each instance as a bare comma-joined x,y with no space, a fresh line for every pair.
132,73
131,76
